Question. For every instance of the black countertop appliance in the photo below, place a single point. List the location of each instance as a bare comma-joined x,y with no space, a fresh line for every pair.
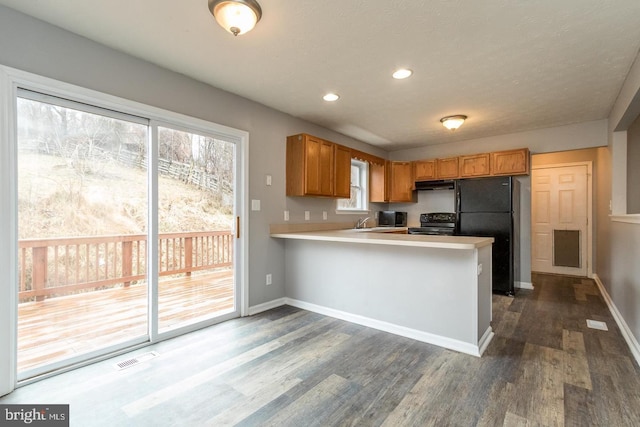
392,219
489,207
435,223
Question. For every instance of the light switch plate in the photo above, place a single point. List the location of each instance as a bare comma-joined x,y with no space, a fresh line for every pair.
324,215
268,180
307,215
286,215
255,205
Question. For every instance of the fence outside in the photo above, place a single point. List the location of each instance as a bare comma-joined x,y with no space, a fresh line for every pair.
54,267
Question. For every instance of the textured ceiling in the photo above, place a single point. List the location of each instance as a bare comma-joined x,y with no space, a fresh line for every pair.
509,65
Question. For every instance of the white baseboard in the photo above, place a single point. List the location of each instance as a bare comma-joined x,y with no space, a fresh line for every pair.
462,347
624,328
524,285
255,309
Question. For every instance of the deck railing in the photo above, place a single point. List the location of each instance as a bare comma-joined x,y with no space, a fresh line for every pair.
52,267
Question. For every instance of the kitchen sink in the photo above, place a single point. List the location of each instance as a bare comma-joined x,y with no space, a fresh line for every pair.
372,230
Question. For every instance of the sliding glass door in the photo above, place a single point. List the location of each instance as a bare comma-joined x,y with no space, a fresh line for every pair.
82,224
196,222
126,230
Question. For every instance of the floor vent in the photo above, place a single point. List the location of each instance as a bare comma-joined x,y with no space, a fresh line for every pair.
135,360
596,324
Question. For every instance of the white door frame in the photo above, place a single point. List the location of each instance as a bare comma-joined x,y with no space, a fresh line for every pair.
8,236
10,80
590,234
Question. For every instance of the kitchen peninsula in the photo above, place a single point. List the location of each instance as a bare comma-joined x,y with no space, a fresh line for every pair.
435,289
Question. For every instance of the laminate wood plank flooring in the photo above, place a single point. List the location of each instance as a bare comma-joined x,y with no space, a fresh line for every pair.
291,367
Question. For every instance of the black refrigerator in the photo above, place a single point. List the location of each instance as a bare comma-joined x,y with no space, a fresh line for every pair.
489,207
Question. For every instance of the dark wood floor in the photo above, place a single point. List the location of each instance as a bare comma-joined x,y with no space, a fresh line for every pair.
290,367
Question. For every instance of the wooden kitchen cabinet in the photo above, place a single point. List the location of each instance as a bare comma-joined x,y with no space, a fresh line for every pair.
510,162
310,166
447,168
378,192
424,170
475,165
391,182
342,168
432,169
401,182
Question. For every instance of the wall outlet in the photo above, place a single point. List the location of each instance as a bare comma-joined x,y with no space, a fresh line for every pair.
269,279
307,215
286,215
324,215
268,180
255,205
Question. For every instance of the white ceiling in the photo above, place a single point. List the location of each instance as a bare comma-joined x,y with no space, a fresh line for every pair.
510,65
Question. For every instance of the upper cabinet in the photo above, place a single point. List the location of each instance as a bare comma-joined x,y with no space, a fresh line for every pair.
427,170
447,168
400,182
511,162
342,169
475,165
320,168
391,182
310,166
424,170
378,189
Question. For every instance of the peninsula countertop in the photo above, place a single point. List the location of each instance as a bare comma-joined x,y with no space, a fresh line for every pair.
377,236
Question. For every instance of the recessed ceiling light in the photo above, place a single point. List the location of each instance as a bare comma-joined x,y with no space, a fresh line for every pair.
402,73
330,97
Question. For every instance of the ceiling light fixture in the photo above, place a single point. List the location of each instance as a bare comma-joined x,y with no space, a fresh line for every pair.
330,97
236,16
453,122
402,73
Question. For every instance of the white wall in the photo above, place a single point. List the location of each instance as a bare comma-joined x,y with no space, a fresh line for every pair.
426,201
547,140
619,236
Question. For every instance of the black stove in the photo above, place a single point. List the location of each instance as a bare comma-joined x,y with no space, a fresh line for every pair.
436,223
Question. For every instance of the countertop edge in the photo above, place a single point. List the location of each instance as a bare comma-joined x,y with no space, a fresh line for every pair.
386,239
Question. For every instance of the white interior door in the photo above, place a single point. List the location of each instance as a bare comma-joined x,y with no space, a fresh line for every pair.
560,226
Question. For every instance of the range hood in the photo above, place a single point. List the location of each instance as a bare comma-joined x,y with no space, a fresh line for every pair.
435,185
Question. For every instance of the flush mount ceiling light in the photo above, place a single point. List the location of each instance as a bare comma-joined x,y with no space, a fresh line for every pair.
236,16
453,122
330,97
402,73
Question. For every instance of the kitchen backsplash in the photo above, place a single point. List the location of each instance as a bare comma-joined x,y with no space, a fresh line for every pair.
428,201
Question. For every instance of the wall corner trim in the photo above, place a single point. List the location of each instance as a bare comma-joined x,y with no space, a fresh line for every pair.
426,337
629,218
524,285
631,340
255,309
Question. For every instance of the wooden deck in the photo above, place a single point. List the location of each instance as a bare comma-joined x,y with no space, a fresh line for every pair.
58,328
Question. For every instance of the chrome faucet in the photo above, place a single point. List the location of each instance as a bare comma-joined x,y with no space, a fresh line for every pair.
362,222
